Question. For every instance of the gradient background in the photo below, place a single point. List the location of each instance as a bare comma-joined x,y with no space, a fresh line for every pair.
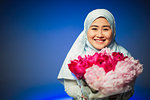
35,37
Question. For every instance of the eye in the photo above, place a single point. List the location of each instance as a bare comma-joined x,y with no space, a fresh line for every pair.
94,28
105,29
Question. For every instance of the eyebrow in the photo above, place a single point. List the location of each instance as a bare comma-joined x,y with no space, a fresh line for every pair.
106,26
93,26
97,26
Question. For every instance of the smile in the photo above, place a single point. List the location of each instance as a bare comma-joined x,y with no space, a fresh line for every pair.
99,41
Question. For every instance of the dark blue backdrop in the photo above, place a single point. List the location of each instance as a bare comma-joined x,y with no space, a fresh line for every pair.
35,37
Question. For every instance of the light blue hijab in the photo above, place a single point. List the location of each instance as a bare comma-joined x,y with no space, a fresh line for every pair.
81,45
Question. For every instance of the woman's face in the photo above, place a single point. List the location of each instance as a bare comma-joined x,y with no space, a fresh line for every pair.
100,33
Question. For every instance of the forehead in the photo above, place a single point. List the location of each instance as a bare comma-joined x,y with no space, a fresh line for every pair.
100,21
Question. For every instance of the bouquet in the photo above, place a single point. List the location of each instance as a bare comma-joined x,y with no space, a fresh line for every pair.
106,73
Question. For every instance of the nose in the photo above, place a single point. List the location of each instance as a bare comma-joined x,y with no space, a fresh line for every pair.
100,33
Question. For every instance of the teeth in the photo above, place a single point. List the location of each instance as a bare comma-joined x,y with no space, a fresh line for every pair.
100,40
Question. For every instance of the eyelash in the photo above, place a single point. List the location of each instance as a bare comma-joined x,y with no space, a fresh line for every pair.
94,28
103,29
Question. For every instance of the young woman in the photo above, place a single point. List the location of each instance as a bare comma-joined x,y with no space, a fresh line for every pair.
99,32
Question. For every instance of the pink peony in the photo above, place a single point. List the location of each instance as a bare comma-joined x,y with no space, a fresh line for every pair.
107,83
94,76
78,67
118,56
129,69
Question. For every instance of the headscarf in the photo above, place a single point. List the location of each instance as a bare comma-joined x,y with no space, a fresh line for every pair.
81,45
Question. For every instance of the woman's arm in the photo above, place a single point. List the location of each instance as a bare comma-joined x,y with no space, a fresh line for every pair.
72,88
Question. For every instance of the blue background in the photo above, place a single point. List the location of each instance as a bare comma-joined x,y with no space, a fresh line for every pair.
35,37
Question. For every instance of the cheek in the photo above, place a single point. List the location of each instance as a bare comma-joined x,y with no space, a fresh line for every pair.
90,34
109,35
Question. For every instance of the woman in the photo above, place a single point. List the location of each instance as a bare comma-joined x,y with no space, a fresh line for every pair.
99,32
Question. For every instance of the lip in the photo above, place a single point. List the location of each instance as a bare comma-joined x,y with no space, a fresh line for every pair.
100,41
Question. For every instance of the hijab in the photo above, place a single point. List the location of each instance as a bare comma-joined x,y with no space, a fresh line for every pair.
81,44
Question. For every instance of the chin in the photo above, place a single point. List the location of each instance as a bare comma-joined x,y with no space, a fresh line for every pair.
99,48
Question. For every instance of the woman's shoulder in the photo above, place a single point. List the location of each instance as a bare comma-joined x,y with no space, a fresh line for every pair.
123,50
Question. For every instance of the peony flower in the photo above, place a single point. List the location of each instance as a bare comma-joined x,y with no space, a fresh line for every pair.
129,69
94,75
89,60
78,67
118,56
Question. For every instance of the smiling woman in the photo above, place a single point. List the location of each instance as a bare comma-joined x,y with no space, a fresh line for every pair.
99,32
